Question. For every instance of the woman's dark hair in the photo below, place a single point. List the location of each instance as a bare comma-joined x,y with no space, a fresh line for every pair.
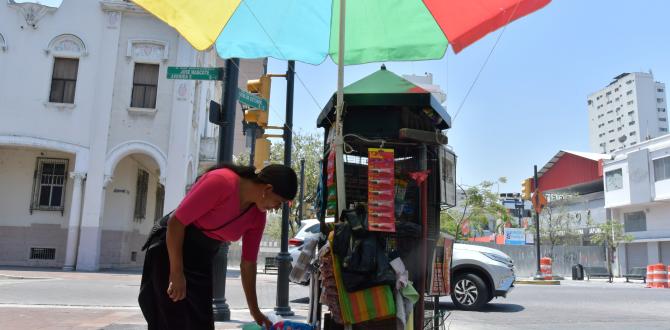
283,179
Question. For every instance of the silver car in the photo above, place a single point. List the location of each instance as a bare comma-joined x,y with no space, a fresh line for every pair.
479,274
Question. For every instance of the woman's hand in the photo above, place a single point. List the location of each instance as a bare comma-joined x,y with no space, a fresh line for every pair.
261,319
177,287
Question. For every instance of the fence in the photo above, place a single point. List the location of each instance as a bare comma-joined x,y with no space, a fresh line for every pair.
563,258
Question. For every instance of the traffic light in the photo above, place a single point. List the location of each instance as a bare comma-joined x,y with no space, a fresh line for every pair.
260,87
526,189
262,153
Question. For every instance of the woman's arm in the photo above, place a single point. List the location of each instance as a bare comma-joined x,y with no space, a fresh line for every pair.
175,243
248,272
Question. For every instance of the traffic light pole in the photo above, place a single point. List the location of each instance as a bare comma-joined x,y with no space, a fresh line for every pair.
225,154
252,132
284,258
302,189
537,224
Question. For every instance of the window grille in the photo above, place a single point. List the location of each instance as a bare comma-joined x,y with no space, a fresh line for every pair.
49,182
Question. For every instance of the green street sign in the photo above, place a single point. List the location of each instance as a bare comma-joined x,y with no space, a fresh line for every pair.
252,100
194,73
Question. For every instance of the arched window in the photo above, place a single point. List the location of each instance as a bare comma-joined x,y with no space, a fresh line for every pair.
66,50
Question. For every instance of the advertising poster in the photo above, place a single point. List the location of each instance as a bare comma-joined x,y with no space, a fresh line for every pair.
515,236
440,278
381,190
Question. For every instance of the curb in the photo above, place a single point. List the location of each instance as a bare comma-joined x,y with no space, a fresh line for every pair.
538,282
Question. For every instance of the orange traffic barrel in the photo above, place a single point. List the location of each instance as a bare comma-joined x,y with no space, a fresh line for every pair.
658,276
545,268
651,276
661,276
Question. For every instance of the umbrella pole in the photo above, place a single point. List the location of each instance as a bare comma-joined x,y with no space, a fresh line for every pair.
339,139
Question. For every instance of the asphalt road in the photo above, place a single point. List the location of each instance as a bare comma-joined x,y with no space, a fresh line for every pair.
572,305
44,300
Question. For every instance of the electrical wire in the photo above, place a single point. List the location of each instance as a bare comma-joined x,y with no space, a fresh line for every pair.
485,62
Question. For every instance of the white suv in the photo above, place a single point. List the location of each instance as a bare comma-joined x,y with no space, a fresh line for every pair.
479,274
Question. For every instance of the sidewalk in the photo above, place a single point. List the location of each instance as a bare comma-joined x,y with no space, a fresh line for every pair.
53,299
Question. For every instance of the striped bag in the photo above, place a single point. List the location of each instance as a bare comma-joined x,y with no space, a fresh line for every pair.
370,304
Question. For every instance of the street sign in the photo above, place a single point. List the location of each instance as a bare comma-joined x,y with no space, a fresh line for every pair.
252,100
194,73
539,201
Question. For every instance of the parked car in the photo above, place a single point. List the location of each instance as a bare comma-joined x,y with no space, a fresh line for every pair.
479,274
308,228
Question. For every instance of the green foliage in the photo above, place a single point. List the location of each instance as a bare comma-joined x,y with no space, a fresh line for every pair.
307,146
558,227
611,233
480,205
273,226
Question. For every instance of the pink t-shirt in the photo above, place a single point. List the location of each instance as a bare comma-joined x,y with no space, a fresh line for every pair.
214,200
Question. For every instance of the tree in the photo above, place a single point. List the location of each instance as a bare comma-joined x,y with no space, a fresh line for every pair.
307,146
480,205
557,227
610,234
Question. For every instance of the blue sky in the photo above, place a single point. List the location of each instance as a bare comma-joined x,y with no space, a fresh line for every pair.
530,100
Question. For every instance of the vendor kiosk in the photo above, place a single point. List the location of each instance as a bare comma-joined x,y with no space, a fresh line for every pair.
385,257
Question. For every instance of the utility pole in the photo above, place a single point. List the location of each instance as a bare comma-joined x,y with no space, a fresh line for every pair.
225,154
284,258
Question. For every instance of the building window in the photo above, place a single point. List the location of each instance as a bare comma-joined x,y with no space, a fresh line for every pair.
662,169
629,82
659,100
590,102
632,133
160,202
629,102
635,221
616,89
612,140
661,109
631,123
660,90
141,195
64,80
633,143
49,185
614,180
663,129
662,119
629,92
145,86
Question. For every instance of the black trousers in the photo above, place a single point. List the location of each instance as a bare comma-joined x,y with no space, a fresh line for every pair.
195,311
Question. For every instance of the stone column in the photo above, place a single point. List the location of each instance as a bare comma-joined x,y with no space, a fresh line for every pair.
88,250
73,224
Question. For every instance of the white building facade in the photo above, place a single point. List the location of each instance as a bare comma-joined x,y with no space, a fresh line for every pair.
637,193
95,142
630,110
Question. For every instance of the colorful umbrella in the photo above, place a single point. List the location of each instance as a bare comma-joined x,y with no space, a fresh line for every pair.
308,30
